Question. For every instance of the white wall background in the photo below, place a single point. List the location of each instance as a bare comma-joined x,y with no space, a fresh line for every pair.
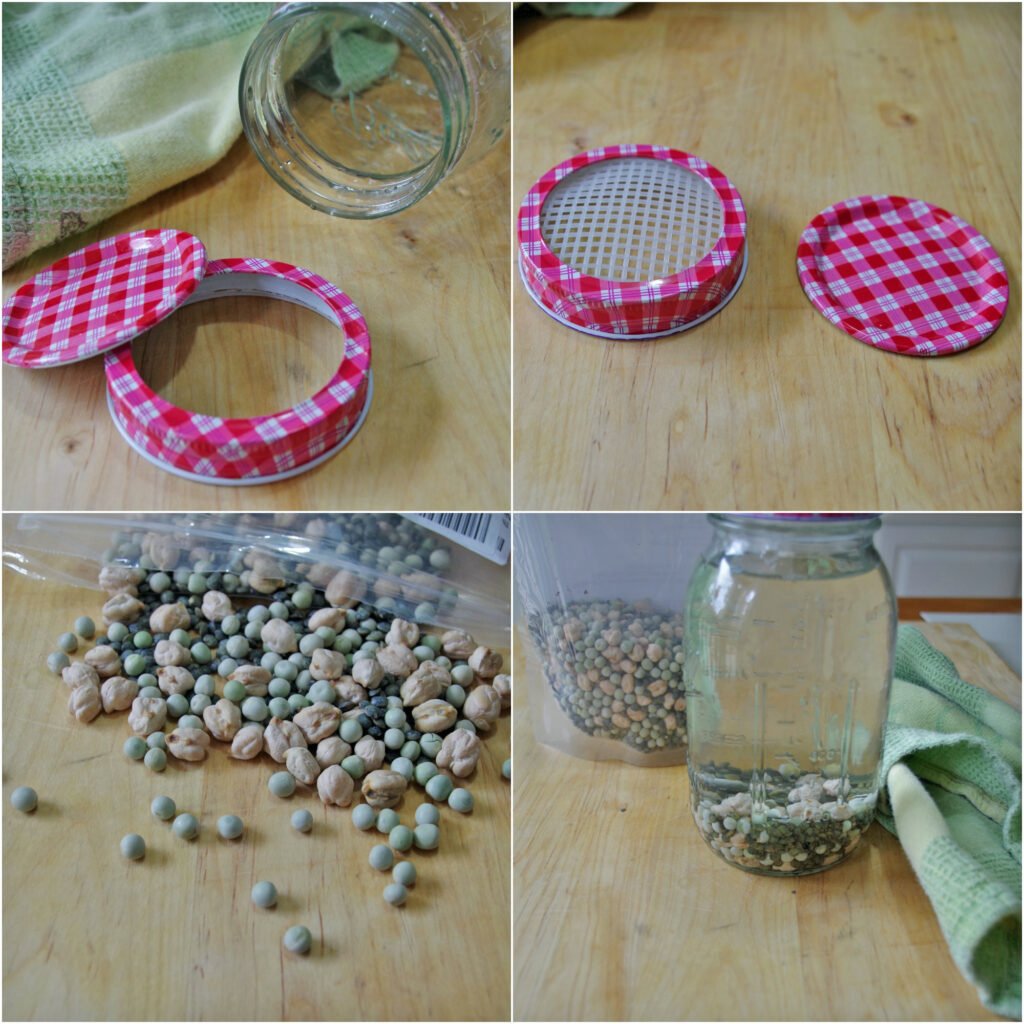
933,555
928,554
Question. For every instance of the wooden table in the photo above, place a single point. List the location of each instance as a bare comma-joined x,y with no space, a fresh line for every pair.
433,285
767,405
91,936
621,912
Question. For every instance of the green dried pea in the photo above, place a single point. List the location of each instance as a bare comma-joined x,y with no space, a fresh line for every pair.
234,691
281,784
185,826
426,837
24,799
230,826
163,807
57,661
387,819
395,894
155,759
364,817
298,939
135,748
439,788
133,846
404,873
460,800
351,731
427,814
68,643
401,838
264,894
381,857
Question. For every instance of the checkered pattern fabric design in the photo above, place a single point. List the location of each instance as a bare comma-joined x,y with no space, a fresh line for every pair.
263,445
902,275
632,308
100,297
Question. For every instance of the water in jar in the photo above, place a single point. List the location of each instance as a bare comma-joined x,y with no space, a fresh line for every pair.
787,679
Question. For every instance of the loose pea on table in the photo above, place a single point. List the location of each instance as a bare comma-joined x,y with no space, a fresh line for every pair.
476,913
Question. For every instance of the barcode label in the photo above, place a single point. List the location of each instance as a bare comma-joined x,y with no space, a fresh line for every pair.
486,533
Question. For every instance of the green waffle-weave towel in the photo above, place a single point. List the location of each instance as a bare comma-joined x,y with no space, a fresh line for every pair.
360,54
952,764
107,104
581,10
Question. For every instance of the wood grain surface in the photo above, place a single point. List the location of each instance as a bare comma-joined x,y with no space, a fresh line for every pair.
621,912
767,405
433,285
91,936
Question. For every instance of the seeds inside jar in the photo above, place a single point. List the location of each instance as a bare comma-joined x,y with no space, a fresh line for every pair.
796,825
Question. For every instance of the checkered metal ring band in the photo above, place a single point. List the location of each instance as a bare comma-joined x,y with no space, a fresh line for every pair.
255,449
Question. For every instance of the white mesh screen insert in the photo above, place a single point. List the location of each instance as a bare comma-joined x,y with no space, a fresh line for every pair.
631,219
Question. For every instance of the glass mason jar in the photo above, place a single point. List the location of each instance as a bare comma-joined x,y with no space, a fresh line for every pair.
791,627
360,109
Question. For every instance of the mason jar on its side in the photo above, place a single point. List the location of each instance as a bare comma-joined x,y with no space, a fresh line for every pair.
360,109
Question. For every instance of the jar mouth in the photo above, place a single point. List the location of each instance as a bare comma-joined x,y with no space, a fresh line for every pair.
794,526
358,111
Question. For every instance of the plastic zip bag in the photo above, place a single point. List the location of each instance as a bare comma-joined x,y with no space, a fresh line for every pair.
385,559
603,598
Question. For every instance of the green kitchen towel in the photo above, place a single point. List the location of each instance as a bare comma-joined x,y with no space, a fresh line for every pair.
360,54
584,10
952,764
107,104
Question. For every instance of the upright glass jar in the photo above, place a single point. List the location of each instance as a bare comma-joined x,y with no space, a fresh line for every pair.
791,626
360,109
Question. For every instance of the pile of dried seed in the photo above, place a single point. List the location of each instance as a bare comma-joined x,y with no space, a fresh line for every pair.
405,562
359,700
616,669
799,828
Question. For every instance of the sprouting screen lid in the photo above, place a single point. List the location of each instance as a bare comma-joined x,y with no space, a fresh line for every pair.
632,241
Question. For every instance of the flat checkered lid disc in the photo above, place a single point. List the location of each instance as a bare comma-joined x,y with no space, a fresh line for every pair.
100,297
902,275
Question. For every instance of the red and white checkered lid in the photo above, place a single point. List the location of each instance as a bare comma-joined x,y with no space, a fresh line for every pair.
632,241
100,297
902,275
